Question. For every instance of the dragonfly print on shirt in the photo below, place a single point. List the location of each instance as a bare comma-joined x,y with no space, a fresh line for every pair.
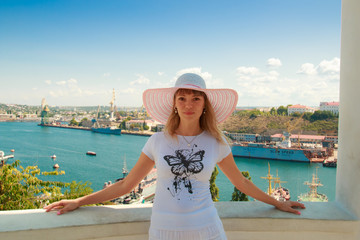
184,164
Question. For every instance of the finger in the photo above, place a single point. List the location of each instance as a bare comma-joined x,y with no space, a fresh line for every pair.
291,210
297,204
54,206
64,210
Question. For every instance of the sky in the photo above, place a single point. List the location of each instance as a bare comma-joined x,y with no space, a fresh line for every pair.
75,52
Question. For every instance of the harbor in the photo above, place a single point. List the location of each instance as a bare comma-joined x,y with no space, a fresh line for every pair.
35,145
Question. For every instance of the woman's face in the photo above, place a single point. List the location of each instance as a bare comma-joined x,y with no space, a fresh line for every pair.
190,104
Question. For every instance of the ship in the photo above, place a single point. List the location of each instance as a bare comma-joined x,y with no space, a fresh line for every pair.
143,193
107,129
281,151
276,191
4,158
313,195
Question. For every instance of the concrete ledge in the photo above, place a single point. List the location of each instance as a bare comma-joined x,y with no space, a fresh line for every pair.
251,220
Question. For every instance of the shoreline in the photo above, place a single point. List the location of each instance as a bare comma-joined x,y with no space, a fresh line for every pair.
146,134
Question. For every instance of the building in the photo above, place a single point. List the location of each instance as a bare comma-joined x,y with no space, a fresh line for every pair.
242,137
311,139
7,117
149,123
330,106
299,109
333,139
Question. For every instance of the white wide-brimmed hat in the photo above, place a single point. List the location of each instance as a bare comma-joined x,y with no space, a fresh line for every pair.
159,102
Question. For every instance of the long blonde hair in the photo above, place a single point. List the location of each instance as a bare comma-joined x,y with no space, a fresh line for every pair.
207,120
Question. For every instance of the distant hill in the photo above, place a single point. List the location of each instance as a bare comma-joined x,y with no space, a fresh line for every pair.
270,124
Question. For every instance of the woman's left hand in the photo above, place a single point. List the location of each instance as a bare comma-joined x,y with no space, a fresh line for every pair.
288,206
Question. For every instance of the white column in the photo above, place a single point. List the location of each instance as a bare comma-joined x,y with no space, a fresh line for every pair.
348,171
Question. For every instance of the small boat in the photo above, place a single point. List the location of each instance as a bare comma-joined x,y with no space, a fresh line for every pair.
91,153
53,156
56,166
4,158
331,162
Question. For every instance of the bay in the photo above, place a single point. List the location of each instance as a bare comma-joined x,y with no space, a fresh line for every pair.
34,145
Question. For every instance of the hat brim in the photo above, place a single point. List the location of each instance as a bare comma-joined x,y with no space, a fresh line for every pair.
159,102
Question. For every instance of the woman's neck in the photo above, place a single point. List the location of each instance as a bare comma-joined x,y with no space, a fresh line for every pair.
190,129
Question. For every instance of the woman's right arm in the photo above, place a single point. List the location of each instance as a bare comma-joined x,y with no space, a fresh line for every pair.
137,173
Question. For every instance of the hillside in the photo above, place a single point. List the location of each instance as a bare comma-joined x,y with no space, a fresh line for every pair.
270,124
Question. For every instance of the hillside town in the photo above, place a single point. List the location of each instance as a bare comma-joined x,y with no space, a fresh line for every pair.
136,120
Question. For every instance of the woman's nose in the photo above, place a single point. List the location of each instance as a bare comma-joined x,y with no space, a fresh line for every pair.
188,105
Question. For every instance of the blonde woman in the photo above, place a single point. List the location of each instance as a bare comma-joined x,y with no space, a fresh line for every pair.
185,155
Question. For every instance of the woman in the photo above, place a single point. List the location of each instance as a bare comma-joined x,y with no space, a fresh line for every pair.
185,155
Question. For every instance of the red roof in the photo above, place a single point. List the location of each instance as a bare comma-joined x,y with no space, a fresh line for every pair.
332,103
297,106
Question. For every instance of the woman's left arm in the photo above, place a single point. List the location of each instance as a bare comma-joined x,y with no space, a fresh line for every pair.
229,168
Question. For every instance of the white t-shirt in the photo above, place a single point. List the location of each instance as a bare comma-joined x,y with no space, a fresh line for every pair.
184,166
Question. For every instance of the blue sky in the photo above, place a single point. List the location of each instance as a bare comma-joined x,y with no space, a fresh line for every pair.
272,52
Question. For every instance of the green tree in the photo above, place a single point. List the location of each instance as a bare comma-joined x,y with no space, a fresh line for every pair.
214,190
20,188
322,115
73,122
145,126
282,111
307,116
273,111
240,196
82,121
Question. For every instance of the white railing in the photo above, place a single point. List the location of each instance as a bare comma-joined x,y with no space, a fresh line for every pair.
242,220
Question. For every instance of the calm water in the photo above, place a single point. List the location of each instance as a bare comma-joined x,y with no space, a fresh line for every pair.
34,145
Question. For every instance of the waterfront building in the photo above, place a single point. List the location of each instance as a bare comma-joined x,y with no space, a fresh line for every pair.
7,117
333,139
300,109
310,139
242,137
330,106
149,123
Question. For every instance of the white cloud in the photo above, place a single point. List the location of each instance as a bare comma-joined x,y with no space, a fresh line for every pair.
69,88
307,69
196,70
325,67
141,80
106,74
312,84
274,62
48,82
332,66
247,71
128,90
160,73
61,83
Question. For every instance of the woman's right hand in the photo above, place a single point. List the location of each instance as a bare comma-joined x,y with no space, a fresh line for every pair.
63,206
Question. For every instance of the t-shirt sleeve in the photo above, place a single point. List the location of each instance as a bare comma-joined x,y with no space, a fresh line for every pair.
224,150
148,149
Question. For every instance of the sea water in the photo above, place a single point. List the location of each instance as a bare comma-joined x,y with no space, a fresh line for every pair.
34,145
